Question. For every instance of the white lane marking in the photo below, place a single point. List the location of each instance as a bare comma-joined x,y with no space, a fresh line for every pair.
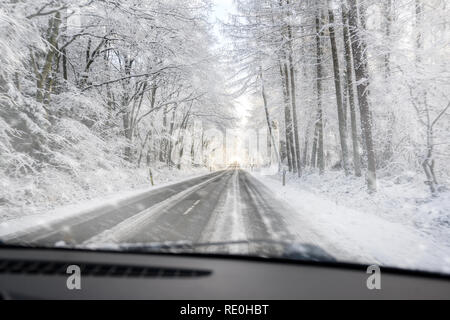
134,225
191,208
227,221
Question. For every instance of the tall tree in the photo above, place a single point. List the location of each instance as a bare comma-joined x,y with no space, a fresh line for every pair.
319,135
289,122
293,91
351,92
338,87
360,58
269,122
388,16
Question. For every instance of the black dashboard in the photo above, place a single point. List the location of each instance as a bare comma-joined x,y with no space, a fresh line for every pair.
45,274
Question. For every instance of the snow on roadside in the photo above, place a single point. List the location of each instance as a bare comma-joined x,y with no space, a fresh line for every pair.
399,227
43,216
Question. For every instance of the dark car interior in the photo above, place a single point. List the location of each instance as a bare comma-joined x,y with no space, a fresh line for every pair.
42,274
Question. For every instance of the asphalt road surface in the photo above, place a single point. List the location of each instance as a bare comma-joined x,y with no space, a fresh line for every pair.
229,205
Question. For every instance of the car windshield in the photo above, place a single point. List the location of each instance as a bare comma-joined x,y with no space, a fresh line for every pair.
280,129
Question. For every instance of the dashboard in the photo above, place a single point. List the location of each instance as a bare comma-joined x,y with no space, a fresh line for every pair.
71,274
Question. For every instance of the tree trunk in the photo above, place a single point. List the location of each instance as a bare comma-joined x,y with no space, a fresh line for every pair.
420,52
127,115
419,34
269,123
64,64
163,144
339,99
429,163
43,76
362,78
288,119
387,8
128,135
294,104
351,94
170,141
314,148
319,137
305,155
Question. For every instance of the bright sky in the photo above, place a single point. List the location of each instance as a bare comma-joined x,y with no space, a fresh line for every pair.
222,10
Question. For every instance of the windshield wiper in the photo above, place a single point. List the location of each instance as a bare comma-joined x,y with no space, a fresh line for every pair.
257,247
254,248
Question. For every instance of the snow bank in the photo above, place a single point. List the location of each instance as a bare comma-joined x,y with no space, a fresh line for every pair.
103,190
400,226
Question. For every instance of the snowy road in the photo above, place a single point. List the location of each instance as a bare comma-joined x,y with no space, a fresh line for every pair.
223,206
237,206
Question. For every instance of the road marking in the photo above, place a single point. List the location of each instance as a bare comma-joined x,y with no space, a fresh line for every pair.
132,226
191,208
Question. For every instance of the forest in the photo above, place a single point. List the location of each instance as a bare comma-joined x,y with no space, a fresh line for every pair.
93,91
356,86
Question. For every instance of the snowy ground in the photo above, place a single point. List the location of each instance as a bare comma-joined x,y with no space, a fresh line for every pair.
400,226
102,189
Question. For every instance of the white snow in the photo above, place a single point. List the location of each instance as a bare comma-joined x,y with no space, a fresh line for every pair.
43,217
227,223
389,229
